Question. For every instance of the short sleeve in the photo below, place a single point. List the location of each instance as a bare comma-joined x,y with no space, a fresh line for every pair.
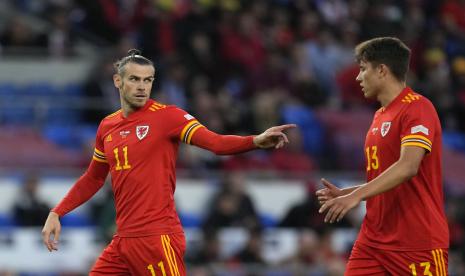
99,151
418,125
183,125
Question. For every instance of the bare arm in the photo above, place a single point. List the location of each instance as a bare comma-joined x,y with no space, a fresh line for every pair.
402,170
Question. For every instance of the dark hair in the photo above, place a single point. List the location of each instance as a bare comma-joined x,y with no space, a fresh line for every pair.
134,56
389,51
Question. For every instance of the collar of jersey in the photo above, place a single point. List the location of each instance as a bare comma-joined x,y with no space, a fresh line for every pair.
397,100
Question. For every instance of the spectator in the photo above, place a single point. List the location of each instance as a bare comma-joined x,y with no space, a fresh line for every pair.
305,214
252,252
29,209
232,206
19,39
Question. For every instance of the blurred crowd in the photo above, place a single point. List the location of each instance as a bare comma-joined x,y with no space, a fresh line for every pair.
242,66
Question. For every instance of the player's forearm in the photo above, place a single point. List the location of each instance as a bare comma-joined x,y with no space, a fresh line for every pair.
222,144
395,175
349,190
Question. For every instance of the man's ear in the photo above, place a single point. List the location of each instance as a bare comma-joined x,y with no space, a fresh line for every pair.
117,81
383,70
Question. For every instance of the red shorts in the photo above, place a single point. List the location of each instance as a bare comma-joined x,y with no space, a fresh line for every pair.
366,260
151,255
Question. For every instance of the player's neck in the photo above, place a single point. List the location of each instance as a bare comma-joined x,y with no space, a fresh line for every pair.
390,92
128,109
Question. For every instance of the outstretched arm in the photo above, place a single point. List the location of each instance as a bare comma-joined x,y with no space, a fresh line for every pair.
86,186
404,169
232,144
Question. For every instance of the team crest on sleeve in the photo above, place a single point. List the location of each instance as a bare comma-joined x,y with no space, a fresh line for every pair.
142,131
385,128
419,128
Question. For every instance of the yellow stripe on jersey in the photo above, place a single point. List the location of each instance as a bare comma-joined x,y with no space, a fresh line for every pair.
416,144
186,127
444,270
99,159
439,268
189,130
99,156
417,137
99,152
159,105
163,242
172,255
156,106
435,262
417,140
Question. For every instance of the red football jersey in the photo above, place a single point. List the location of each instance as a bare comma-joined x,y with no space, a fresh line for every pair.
141,152
410,216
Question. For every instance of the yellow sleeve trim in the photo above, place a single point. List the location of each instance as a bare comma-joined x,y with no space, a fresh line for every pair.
99,159
99,152
191,133
184,130
417,145
417,137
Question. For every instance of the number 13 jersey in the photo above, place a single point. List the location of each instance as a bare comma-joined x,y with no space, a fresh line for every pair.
411,215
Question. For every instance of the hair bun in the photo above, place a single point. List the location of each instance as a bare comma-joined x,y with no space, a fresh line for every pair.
133,52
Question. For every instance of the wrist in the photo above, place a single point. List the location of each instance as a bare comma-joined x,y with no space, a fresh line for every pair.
255,141
358,194
54,214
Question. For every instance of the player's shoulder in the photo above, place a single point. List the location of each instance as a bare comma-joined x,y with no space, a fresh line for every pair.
155,106
167,109
112,117
415,100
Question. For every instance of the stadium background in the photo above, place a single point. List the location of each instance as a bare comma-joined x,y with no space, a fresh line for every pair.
239,67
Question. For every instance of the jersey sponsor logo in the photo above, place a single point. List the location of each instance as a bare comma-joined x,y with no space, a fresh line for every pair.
142,131
124,133
385,128
419,128
188,117
108,138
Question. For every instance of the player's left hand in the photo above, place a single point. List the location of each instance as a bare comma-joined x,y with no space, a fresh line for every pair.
273,137
338,207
